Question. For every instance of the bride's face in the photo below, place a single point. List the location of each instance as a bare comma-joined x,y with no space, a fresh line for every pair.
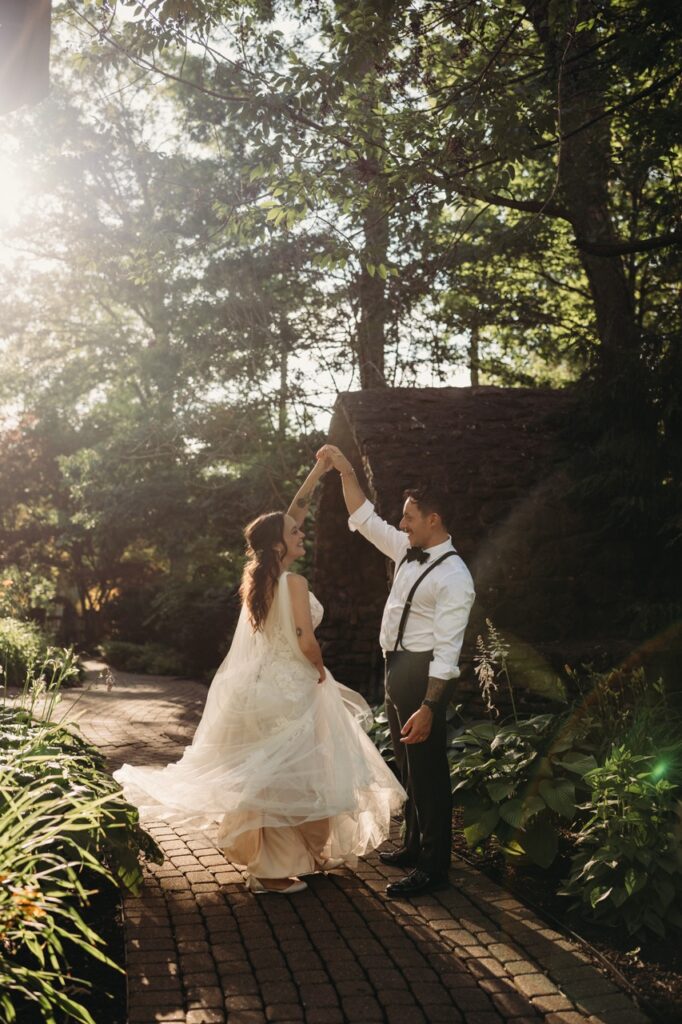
293,541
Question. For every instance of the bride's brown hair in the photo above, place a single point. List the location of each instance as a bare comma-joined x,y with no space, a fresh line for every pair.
263,565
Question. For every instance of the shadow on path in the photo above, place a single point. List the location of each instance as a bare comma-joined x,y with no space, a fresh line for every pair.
203,950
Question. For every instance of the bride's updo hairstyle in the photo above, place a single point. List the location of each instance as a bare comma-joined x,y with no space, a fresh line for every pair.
263,567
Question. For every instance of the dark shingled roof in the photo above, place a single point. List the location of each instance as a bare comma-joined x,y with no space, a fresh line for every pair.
540,573
465,438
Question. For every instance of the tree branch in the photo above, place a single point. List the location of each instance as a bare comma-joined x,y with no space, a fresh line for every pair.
545,207
635,245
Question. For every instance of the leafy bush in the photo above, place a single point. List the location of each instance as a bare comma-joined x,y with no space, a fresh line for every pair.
25,656
24,592
150,659
22,647
194,616
62,819
628,870
518,782
40,895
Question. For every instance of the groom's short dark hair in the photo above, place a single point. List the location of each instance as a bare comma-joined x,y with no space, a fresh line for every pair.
430,498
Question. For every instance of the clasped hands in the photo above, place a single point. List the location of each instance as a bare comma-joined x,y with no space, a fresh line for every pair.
334,458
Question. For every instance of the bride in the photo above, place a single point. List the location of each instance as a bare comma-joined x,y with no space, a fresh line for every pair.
280,771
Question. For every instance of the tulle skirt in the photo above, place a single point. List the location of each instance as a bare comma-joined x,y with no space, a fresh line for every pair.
285,753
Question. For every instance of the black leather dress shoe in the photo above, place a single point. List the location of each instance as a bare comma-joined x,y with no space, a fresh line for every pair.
397,858
415,884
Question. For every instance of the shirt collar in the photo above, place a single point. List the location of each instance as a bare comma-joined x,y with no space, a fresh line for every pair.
439,549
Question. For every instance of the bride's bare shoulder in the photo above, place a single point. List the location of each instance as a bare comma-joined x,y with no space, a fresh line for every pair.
297,584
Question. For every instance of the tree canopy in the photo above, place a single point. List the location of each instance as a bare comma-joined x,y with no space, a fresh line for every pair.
240,207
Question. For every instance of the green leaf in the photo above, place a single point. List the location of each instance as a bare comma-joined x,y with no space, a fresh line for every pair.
634,880
481,827
484,730
559,795
595,895
541,842
576,762
618,896
518,811
500,790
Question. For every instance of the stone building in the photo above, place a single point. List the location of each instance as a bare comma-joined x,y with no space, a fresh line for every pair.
542,576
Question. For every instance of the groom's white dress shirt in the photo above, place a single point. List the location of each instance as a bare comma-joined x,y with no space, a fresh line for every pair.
441,604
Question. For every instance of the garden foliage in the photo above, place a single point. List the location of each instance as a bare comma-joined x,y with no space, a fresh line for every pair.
600,776
628,867
63,827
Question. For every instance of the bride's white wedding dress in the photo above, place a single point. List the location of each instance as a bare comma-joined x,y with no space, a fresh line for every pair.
280,771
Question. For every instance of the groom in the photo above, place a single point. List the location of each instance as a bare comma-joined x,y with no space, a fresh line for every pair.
421,635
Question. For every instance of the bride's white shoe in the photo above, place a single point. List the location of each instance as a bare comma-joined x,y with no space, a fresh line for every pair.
333,862
255,885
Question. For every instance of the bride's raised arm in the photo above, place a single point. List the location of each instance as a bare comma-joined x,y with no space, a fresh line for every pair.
298,509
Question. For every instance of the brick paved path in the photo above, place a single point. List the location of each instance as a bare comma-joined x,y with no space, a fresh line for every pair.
202,950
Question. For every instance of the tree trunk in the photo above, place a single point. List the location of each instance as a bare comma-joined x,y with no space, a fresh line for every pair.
371,337
474,356
365,56
286,338
583,176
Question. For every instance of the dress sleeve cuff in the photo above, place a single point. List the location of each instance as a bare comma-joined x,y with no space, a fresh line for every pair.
361,515
439,670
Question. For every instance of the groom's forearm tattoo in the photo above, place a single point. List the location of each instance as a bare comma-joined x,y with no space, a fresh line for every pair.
435,688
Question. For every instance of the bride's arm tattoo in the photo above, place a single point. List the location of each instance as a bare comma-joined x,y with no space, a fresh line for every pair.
299,506
299,631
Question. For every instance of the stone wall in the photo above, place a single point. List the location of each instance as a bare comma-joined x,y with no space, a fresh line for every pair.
542,575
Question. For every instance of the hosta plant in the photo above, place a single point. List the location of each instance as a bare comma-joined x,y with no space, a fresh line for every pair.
519,782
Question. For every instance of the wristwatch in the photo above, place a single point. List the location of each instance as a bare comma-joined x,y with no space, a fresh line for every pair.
432,704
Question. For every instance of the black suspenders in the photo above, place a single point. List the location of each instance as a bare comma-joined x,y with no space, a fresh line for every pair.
408,603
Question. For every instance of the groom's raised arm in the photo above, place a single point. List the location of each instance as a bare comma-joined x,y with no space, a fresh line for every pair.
362,517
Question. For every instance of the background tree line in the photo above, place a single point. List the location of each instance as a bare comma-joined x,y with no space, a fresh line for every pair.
239,207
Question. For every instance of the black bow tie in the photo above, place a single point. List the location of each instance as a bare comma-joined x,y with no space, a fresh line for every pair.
417,555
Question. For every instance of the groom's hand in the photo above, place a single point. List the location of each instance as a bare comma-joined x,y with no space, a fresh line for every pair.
417,728
336,457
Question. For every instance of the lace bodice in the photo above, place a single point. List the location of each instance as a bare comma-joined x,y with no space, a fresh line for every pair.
281,650
316,610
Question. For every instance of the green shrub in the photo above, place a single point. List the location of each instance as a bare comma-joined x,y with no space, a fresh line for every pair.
62,820
149,659
23,591
519,781
22,647
628,871
625,707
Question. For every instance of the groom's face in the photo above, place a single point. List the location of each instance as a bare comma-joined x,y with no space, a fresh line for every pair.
416,525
